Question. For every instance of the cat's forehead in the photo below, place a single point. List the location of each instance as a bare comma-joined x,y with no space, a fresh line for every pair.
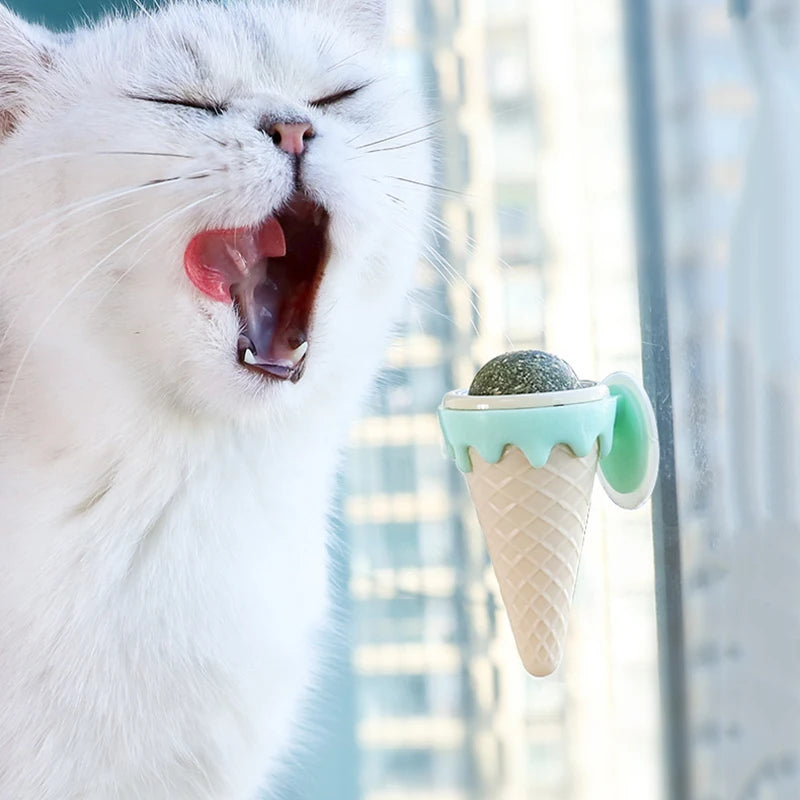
233,48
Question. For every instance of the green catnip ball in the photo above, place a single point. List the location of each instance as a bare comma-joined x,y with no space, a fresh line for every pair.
524,372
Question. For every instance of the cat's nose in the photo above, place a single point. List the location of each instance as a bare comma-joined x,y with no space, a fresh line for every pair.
290,136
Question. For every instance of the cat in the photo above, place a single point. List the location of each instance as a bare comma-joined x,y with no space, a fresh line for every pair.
209,219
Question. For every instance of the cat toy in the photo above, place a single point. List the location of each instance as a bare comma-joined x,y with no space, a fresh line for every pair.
529,437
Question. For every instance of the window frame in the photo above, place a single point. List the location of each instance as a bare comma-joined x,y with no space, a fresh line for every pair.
656,370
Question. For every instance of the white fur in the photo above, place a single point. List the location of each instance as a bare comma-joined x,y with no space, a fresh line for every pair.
163,511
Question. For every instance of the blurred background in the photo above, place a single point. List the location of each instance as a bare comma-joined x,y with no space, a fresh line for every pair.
609,190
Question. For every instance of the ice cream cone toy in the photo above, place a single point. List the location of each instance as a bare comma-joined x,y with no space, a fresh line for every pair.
529,437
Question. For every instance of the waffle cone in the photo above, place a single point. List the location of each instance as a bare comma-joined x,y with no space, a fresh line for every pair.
534,522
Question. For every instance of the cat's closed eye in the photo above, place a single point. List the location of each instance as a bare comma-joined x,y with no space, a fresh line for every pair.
337,97
203,105
217,109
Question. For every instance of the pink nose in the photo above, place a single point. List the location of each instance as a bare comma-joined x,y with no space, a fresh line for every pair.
291,136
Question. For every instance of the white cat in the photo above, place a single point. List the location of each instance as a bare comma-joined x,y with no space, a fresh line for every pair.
174,391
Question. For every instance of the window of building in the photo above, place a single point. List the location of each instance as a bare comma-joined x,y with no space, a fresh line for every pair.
515,132
518,224
407,619
508,68
396,696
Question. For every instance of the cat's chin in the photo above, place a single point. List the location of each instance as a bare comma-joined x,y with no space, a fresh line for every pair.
271,274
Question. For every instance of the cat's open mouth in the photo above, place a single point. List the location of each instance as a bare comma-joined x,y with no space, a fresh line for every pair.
271,274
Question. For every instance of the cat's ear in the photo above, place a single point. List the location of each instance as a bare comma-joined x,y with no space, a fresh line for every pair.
26,53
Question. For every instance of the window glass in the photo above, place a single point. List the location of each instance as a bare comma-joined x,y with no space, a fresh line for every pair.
425,696
728,195
405,618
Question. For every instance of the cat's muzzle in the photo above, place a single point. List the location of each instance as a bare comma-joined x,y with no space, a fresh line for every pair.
271,274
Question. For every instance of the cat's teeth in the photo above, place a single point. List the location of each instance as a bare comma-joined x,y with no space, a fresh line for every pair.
295,357
317,216
299,353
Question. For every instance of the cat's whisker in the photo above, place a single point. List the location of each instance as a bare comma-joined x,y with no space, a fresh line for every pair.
416,301
74,226
431,255
38,160
347,59
213,138
386,149
440,227
149,230
429,246
438,231
443,229
450,275
401,146
470,296
142,153
439,263
69,210
398,135
175,178
88,154
422,184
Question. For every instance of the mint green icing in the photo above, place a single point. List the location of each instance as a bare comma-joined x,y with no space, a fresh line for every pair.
535,431
626,465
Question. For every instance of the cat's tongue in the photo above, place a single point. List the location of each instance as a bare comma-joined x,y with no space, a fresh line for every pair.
246,267
217,260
